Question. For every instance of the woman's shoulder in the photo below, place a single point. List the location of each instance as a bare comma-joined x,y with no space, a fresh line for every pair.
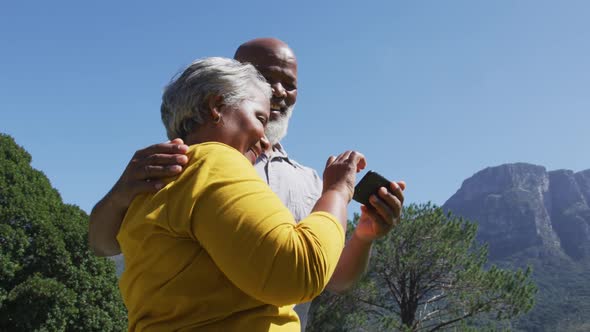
217,158
210,164
208,146
214,152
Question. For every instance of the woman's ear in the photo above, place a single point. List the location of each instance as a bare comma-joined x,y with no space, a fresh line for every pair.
215,104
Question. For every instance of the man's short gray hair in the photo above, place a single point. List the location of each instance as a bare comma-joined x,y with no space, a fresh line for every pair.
185,102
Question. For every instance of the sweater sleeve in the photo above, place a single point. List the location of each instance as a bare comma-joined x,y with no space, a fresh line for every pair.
252,236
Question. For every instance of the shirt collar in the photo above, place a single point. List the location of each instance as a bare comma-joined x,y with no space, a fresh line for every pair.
277,152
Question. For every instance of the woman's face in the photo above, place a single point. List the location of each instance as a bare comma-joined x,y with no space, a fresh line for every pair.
242,126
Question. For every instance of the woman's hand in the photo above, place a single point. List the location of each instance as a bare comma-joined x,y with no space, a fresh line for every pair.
383,215
147,168
340,172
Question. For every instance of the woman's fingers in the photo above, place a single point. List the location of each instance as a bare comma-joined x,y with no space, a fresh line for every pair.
397,189
330,161
388,203
343,156
359,160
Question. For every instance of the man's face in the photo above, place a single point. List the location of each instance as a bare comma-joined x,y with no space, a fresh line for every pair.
279,66
281,74
282,77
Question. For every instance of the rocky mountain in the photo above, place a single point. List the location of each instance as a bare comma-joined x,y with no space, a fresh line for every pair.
523,207
530,216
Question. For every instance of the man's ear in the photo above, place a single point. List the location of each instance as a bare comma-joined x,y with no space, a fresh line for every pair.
215,104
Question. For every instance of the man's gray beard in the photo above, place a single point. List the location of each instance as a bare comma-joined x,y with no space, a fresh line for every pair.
276,130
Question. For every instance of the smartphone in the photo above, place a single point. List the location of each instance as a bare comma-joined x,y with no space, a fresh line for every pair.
369,185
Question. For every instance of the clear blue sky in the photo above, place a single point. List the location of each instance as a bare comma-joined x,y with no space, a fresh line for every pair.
430,91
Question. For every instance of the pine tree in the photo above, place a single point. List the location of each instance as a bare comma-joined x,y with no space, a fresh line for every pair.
429,274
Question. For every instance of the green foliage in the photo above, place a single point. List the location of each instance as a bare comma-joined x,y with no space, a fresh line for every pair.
428,274
41,304
49,280
563,300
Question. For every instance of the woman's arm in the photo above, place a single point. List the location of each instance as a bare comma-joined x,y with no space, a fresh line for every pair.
252,236
143,174
373,224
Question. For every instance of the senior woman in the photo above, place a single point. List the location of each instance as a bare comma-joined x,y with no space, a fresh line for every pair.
216,250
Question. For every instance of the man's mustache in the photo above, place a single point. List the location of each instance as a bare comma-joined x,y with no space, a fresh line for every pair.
278,103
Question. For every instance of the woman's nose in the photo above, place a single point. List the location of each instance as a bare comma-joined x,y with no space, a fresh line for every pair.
264,143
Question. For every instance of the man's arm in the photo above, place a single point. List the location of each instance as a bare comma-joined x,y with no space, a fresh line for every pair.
105,221
143,174
374,223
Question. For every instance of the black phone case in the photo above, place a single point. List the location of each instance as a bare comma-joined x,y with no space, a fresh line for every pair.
369,185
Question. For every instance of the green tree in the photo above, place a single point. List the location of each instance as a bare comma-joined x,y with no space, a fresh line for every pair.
429,274
49,280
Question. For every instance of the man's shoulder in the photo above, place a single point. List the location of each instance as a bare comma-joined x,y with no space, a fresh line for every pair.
280,151
307,175
303,167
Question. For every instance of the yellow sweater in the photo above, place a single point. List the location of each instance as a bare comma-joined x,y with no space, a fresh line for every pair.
216,250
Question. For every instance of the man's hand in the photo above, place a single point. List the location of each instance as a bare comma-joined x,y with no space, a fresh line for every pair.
147,168
143,174
385,212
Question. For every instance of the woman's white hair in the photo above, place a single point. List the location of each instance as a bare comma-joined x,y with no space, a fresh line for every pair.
185,102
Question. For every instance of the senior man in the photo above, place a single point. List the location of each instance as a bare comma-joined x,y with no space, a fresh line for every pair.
297,186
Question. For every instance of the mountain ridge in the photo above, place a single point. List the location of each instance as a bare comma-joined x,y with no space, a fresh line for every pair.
529,216
519,206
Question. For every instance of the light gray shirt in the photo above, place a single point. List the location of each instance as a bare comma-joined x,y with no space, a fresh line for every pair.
297,186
